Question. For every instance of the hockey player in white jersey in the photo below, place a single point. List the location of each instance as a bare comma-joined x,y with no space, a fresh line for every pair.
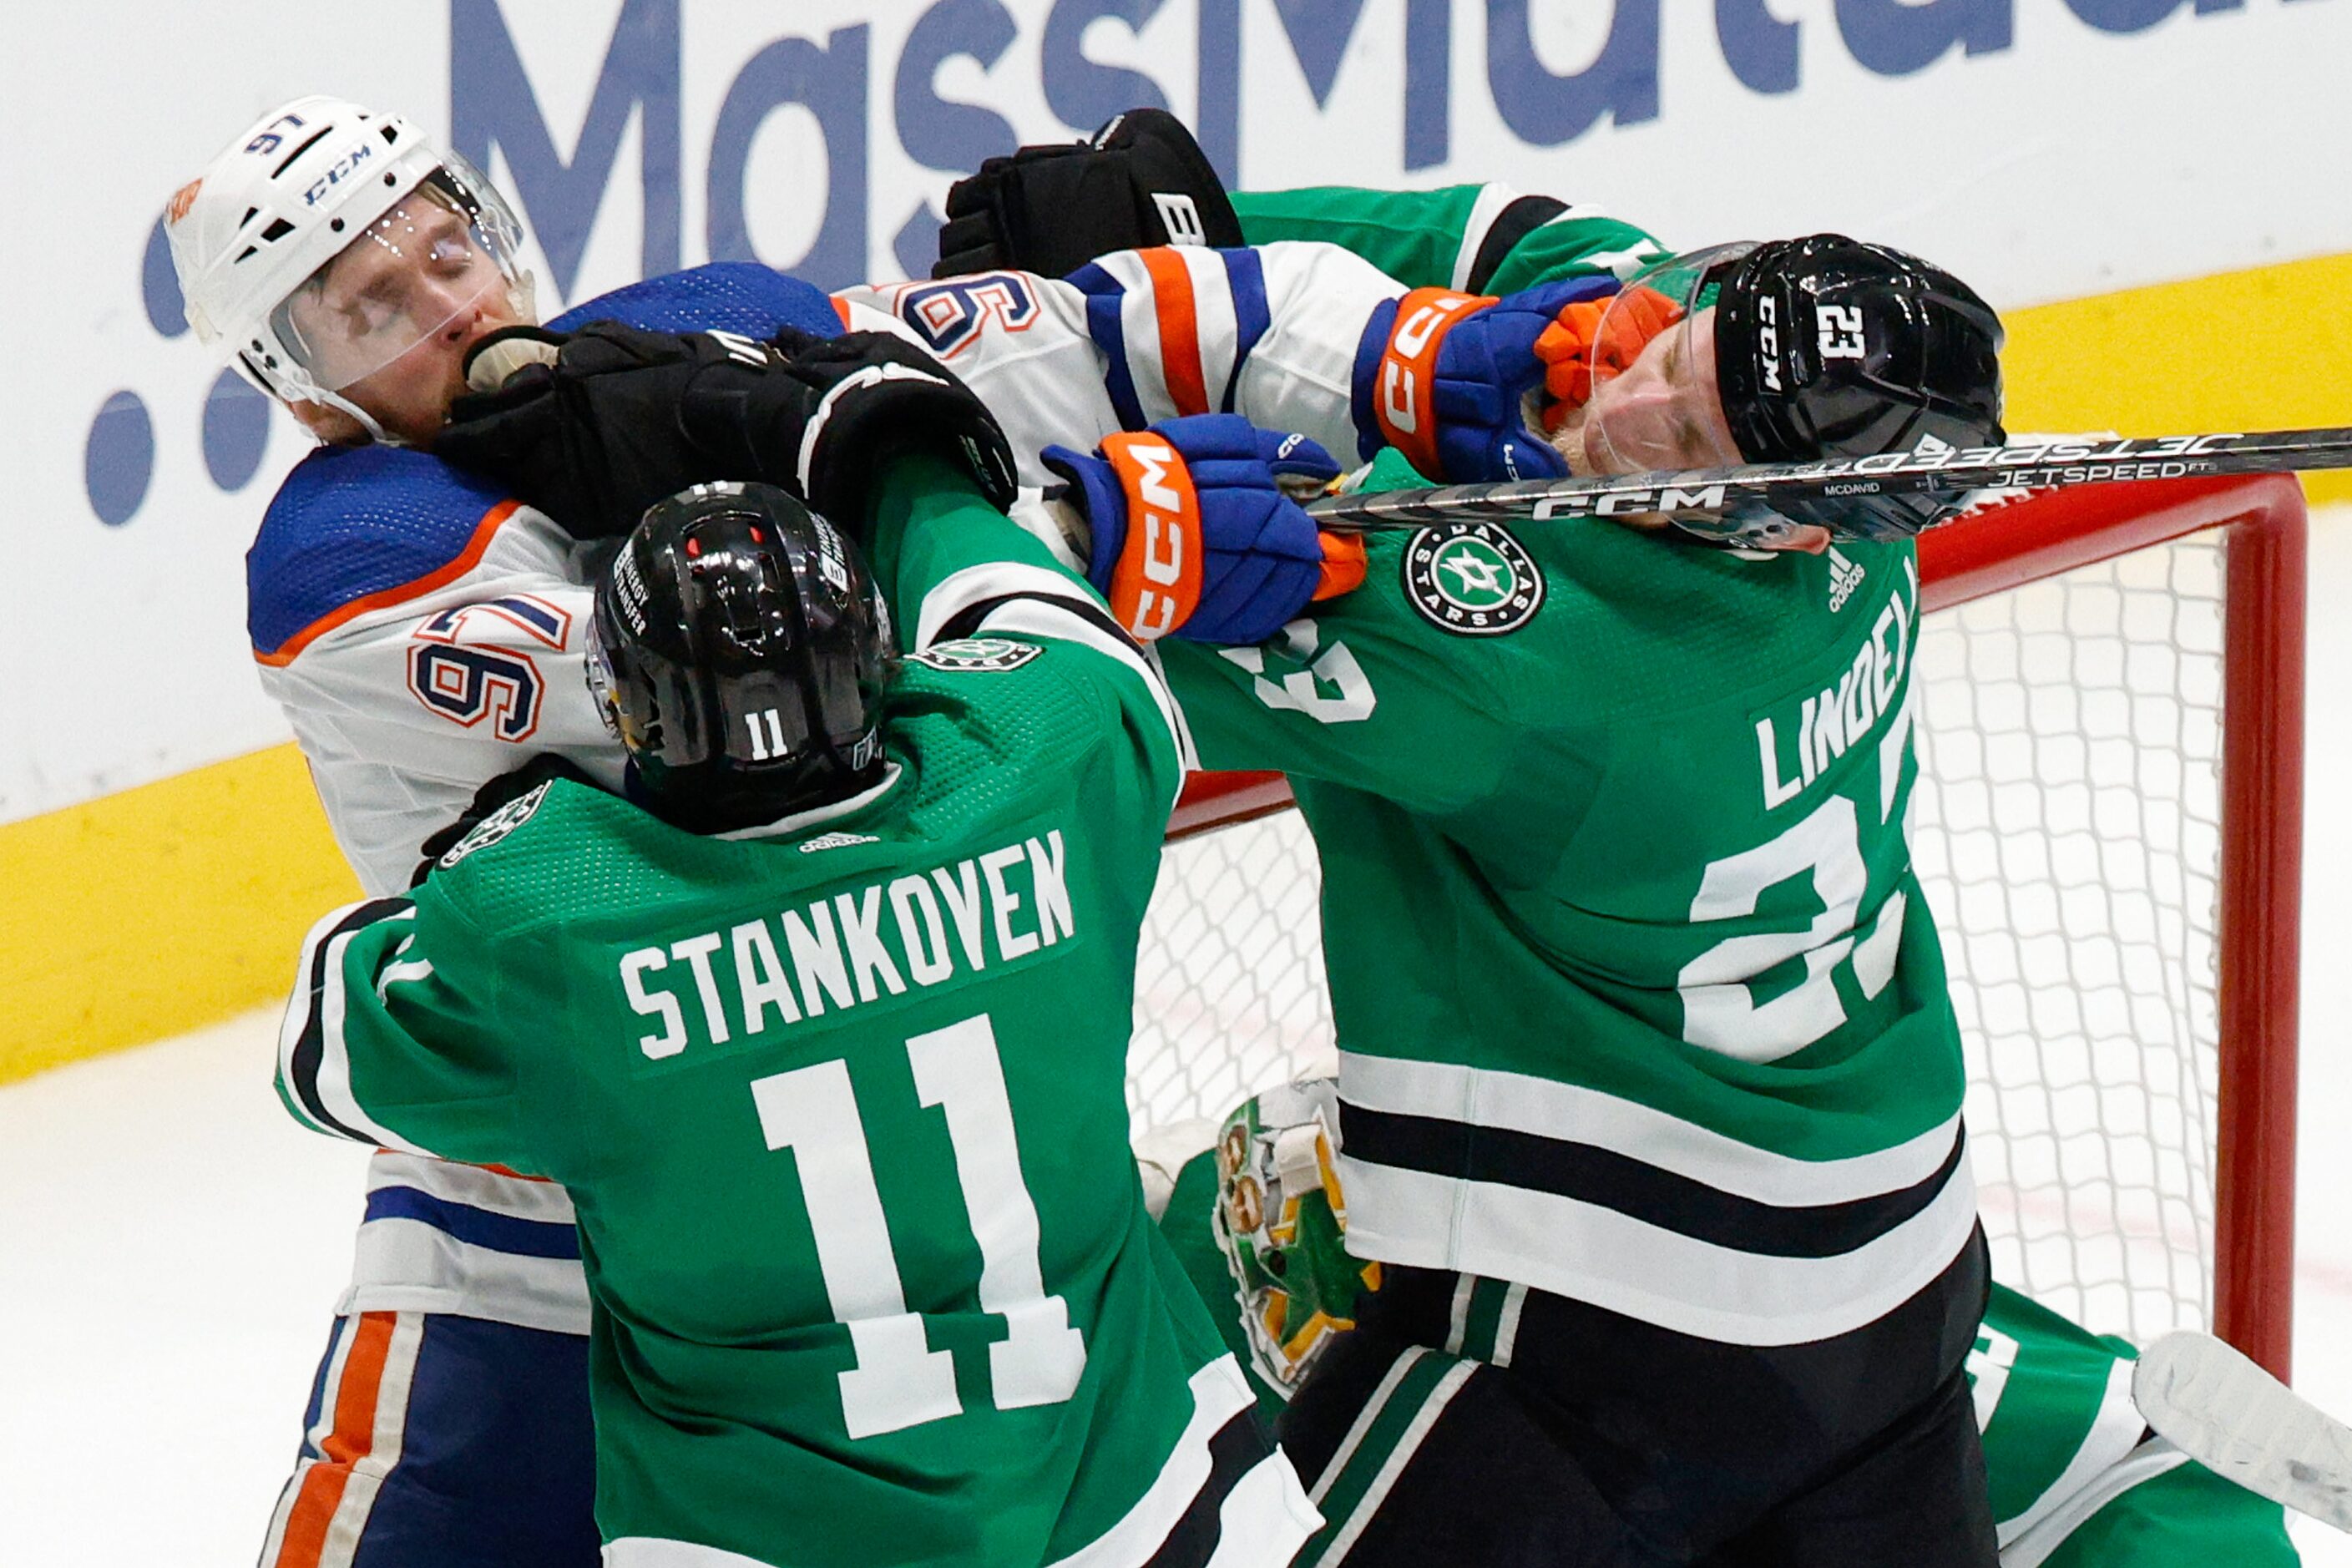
421,628
422,633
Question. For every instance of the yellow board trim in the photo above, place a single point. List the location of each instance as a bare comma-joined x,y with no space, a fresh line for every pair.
153,912
2269,349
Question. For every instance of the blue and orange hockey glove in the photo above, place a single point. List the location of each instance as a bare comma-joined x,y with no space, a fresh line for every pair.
1195,532
1592,342
1446,378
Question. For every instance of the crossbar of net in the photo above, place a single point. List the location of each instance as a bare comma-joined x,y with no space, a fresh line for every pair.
2067,828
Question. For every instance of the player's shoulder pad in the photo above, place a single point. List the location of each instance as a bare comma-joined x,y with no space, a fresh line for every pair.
722,296
353,526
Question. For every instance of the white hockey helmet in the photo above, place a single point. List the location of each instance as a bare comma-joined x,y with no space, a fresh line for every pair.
307,181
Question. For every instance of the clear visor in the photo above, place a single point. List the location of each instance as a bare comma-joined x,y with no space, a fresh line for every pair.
445,251
1654,403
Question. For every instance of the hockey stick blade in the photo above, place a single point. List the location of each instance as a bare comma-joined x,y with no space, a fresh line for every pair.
1933,469
2246,1427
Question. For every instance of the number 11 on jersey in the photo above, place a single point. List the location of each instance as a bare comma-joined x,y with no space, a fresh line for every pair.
899,1380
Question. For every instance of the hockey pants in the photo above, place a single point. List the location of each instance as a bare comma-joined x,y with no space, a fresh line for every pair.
1483,1424
435,1441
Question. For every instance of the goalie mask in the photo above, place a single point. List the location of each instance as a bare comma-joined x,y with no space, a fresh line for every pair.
1281,1221
328,241
739,647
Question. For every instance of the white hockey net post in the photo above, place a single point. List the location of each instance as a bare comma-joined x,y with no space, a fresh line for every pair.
2108,824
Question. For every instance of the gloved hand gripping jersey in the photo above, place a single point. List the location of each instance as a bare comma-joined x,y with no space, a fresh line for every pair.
597,425
1451,380
1195,531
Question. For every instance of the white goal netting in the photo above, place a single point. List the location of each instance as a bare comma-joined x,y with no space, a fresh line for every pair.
2067,828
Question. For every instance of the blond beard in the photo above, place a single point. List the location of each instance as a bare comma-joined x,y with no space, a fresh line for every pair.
1568,442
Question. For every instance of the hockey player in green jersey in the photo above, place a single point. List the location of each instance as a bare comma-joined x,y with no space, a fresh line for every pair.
825,1039
2076,1479
1644,1036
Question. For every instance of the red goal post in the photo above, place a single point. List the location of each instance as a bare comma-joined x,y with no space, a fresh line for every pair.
2260,523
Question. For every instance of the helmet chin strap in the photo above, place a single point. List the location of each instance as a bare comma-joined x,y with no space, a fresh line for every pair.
360,416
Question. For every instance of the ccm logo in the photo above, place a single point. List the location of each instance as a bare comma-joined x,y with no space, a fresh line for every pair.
1157,581
1422,319
1163,541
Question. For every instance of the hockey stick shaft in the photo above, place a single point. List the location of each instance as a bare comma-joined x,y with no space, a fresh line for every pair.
1951,471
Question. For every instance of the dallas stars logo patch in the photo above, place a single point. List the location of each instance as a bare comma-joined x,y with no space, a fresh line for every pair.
977,654
495,825
1472,579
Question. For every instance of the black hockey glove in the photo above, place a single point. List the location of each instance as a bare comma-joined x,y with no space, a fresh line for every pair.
1139,182
614,419
831,412
588,430
490,799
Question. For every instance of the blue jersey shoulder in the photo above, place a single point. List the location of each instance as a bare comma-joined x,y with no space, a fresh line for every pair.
351,522
725,296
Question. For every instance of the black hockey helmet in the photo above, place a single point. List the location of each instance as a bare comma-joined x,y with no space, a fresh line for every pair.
740,647
1829,348
1826,347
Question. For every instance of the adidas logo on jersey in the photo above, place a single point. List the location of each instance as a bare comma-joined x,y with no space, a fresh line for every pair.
1844,714
837,841
1844,578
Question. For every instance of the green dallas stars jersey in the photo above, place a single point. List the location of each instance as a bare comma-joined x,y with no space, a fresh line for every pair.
2074,1484
2077,1480
841,1104
1637,997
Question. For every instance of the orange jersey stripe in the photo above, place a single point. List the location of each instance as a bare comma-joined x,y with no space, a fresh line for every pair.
1179,330
467,560
305,1541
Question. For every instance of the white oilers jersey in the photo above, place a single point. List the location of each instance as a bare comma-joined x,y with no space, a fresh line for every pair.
422,633
1272,334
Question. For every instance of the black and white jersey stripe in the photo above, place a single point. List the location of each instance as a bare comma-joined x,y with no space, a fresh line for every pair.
1224,1495
313,1061
1591,1196
1632,1186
